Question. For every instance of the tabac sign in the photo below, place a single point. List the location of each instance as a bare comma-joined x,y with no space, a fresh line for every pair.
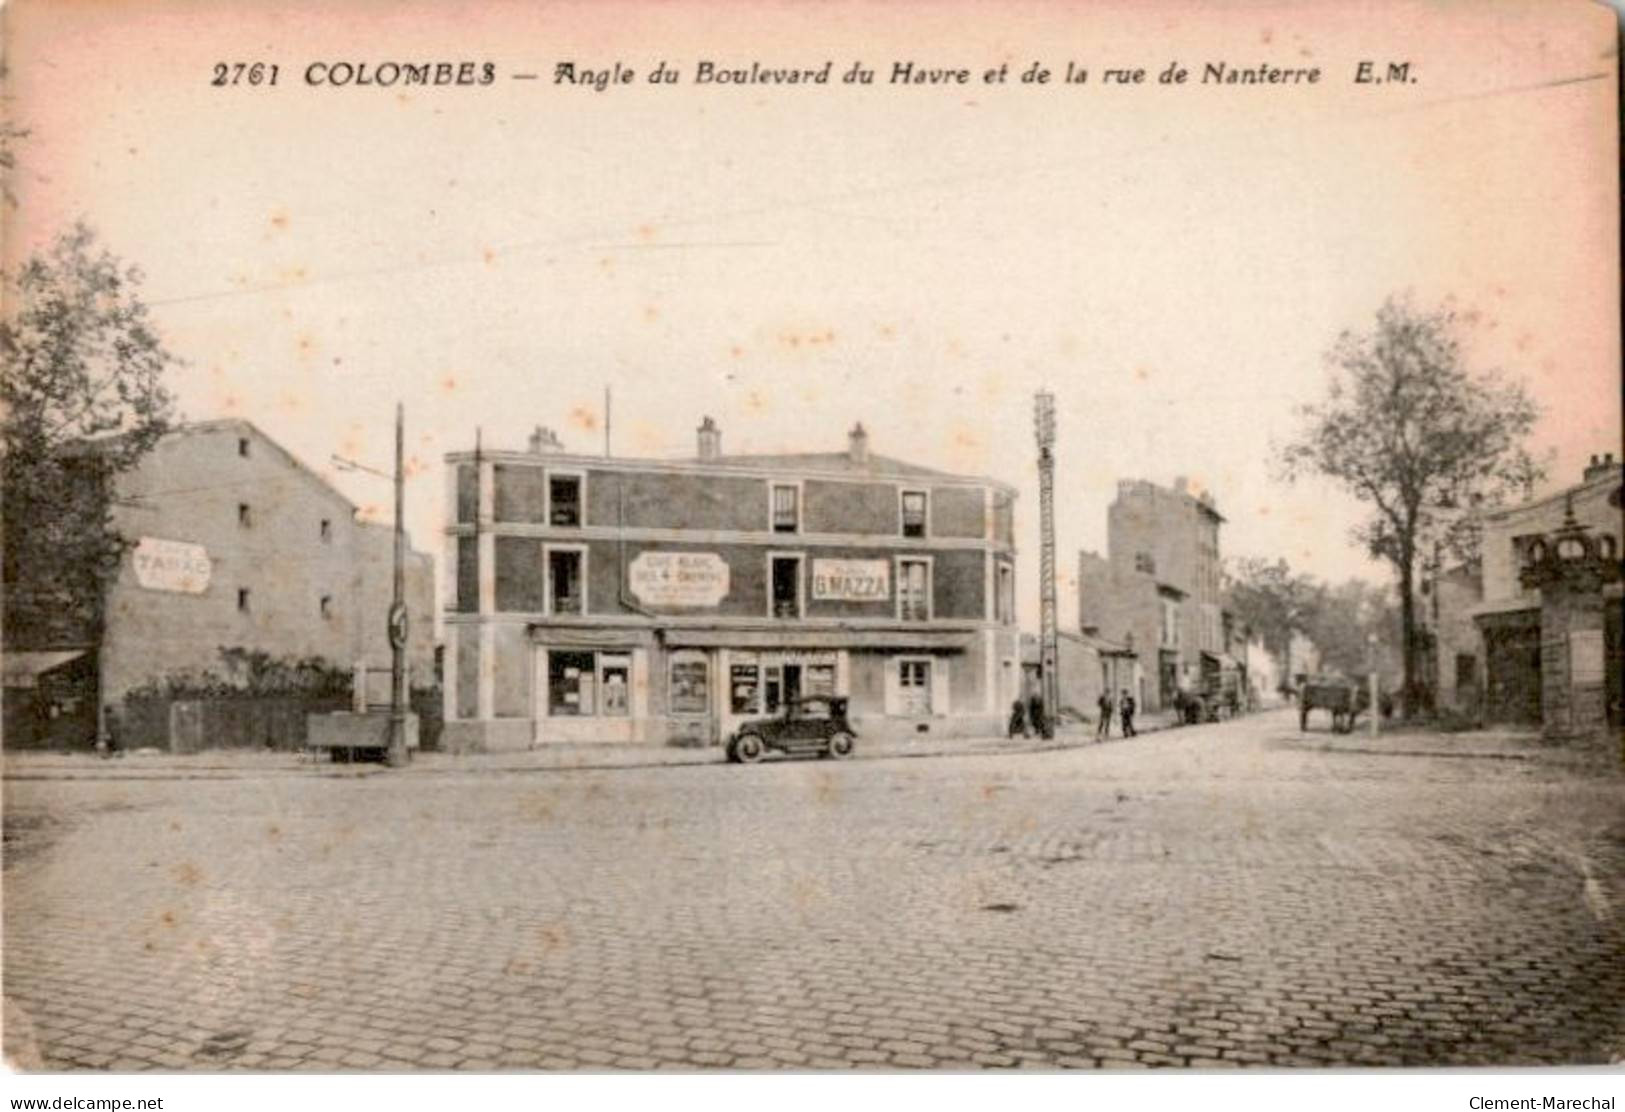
679,578
162,565
851,580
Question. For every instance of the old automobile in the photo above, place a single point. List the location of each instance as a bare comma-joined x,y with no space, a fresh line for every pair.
815,725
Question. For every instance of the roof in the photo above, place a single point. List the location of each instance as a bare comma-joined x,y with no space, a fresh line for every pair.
1031,654
825,461
22,669
1603,478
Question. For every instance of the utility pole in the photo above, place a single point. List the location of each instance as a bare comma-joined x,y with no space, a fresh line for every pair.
398,753
1044,425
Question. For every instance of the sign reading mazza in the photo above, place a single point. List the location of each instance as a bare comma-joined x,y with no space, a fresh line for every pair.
679,578
162,565
851,580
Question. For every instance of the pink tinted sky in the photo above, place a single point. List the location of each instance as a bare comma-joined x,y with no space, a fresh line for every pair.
1171,261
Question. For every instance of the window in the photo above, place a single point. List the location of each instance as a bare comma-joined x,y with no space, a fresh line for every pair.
585,684
327,531
327,606
914,503
566,585
1005,598
914,590
1170,623
786,508
245,516
564,500
242,446
1143,561
614,686
914,687
571,684
242,599
744,685
690,687
785,573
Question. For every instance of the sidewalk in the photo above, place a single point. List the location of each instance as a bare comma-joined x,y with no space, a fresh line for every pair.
234,764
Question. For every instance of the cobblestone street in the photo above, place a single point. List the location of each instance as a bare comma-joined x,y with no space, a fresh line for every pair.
1228,895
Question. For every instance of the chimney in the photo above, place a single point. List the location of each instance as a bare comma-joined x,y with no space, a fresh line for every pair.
1182,485
1600,466
858,444
543,439
710,440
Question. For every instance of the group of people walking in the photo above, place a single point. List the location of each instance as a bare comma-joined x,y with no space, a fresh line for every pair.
1027,716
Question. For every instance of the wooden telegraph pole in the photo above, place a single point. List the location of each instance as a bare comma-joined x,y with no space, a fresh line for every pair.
1044,425
398,753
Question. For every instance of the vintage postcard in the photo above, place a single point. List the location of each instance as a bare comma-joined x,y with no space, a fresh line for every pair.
812,537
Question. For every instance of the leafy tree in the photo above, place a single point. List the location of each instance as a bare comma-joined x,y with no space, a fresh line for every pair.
1346,620
83,399
1270,599
1408,429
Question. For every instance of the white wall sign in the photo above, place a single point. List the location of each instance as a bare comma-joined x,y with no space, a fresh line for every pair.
1586,658
162,565
679,578
851,580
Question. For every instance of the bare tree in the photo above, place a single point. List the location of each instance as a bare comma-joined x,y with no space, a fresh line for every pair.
1412,432
82,398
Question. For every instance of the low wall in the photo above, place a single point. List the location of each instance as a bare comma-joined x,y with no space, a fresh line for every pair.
347,730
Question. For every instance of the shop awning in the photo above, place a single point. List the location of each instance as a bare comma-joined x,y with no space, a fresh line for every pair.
24,669
938,640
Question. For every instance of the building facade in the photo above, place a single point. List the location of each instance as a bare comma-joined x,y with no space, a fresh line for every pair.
1157,589
237,544
665,601
1086,666
1506,671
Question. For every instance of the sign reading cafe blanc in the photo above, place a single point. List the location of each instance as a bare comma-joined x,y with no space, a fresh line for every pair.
851,580
162,565
679,578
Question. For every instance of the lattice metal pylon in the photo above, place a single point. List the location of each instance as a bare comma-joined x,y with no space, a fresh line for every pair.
1044,426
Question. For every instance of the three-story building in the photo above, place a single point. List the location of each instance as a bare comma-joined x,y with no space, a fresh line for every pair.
664,601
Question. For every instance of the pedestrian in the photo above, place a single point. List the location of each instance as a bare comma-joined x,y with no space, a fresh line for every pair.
1035,715
1104,730
1018,719
1126,702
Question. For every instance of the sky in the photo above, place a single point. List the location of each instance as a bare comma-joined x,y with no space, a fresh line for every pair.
1173,261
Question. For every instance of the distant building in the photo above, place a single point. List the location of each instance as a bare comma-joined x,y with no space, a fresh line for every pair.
665,601
1086,665
240,545
1506,669
1157,588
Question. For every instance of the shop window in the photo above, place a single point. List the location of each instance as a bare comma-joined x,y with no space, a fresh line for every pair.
690,689
913,590
744,687
571,683
566,583
820,679
786,577
615,686
786,509
564,498
914,507
1005,604
914,687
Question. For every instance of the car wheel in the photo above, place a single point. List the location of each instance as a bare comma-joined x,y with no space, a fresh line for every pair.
748,749
841,746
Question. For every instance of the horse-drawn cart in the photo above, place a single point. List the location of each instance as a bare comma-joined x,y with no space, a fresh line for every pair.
1345,699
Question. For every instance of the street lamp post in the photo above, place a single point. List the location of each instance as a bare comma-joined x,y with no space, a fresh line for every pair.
1044,426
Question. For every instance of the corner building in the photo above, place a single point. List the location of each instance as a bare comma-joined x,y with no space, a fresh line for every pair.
665,601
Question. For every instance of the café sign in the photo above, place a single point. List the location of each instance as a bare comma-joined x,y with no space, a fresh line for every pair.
679,578
177,566
851,580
